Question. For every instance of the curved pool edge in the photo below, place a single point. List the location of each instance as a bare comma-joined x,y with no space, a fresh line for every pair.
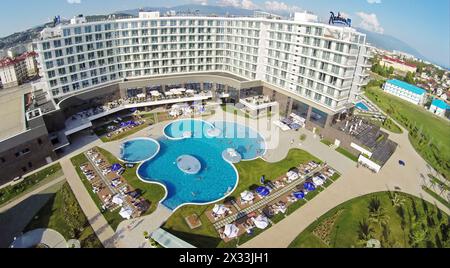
179,120
183,138
187,204
145,160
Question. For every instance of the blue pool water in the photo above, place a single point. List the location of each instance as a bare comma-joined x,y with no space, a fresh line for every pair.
217,178
362,106
138,150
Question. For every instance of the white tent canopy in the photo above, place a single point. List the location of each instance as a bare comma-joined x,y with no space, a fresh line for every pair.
261,222
220,209
317,181
126,213
247,196
231,231
142,95
190,91
117,199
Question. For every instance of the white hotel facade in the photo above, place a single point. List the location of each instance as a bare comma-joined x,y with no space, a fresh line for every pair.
321,63
312,69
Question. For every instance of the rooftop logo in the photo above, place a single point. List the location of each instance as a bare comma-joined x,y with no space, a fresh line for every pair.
339,20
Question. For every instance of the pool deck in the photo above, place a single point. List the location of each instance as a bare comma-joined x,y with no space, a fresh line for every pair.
362,181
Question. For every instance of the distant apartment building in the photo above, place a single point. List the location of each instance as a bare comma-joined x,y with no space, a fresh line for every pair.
405,91
30,62
13,71
440,108
398,65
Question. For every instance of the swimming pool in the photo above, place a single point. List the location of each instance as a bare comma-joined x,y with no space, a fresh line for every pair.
362,106
139,150
217,178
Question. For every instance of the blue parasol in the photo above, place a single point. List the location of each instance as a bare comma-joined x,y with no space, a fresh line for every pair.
299,195
263,191
263,180
309,186
116,167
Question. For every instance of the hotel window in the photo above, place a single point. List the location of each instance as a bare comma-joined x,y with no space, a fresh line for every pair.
49,64
57,43
45,45
47,55
66,32
98,28
87,29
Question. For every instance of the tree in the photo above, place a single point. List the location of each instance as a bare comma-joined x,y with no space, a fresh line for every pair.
397,200
377,214
365,232
418,236
409,78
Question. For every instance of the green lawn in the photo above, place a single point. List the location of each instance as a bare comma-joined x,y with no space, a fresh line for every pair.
30,183
326,142
347,154
63,214
428,133
417,218
250,173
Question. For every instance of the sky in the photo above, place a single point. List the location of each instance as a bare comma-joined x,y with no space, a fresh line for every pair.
423,24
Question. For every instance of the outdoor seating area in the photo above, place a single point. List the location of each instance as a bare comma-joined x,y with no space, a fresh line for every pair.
293,122
256,207
119,125
111,187
159,95
186,110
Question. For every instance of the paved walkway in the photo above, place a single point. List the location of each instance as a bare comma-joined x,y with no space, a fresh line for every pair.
353,183
98,222
130,233
48,237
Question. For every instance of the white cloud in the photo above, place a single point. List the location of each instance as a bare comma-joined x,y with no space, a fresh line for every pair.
370,22
200,2
374,1
74,2
280,6
247,4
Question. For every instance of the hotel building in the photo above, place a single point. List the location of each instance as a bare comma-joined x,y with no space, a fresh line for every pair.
312,69
405,91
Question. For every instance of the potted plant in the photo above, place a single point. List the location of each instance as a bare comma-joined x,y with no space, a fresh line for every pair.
146,235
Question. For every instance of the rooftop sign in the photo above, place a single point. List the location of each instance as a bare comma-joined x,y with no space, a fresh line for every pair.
339,20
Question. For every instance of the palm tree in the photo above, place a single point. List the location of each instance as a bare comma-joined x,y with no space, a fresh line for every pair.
397,200
377,214
418,236
365,232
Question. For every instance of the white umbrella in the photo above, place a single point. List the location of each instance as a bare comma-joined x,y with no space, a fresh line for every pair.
317,181
141,95
190,91
182,89
247,196
155,93
178,92
169,94
220,209
231,231
117,199
261,222
126,213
